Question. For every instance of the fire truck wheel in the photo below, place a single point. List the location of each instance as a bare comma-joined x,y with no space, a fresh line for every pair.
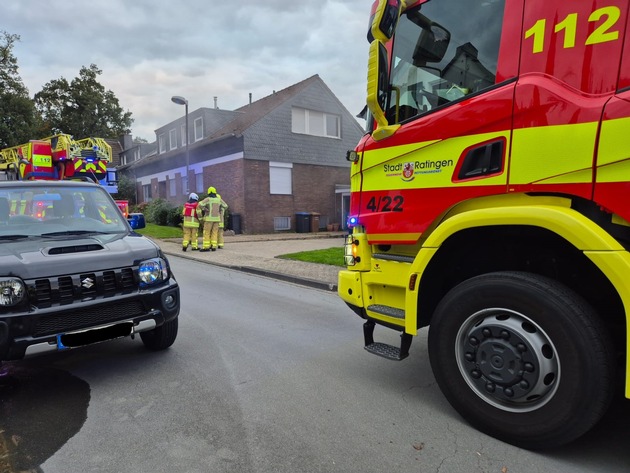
522,358
161,337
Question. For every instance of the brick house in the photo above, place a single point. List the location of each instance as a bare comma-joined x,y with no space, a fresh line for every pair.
272,161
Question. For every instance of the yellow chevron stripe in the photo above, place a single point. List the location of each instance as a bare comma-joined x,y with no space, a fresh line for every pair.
613,159
548,152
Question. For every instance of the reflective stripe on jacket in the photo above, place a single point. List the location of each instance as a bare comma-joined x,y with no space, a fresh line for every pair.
211,207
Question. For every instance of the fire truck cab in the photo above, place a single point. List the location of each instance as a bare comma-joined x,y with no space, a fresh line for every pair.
489,202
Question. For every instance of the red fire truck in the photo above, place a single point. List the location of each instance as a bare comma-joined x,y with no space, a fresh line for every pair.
57,157
489,202
61,157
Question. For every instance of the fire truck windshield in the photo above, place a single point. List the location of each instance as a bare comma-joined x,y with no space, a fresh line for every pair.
443,51
50,209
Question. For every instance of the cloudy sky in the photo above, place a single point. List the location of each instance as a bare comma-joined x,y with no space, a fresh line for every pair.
150,50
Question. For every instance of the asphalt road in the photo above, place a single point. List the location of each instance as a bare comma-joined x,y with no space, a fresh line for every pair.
265,376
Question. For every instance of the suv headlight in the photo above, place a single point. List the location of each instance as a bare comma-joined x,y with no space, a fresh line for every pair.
12,291
152,271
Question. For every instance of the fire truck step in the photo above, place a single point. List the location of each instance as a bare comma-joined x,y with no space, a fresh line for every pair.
385,350
387,310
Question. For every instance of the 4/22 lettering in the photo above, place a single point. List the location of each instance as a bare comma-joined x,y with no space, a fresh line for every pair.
386,203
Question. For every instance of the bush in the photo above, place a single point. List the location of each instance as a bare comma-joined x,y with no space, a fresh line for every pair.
140,208
157,212
174,216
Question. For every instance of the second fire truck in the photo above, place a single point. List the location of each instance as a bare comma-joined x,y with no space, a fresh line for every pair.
60,157
489,202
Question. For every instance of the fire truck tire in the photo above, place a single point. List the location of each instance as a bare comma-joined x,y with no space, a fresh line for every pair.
522,358
161,337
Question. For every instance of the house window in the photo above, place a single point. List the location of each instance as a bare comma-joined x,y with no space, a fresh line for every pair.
281,223
198,128
146,193
162,143
172,138
280,181
183,134
184,184
333,125
136,155
199,182
172,188
310,122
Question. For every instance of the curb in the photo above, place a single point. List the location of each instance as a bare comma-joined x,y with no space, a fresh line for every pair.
263,272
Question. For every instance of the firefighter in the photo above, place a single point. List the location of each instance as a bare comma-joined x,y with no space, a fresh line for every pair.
210,207
222,209
190,214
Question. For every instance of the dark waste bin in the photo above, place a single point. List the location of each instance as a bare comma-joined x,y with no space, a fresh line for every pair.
302,222
235,223
315,222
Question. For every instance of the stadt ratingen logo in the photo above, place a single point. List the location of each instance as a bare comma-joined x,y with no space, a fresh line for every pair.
407,174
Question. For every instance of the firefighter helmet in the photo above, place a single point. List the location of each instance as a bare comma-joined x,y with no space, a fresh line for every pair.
193,196
212,190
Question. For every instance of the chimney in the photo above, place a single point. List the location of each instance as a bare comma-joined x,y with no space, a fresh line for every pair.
250,98
215,103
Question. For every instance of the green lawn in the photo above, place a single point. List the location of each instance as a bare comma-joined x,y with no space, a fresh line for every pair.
332,256
158,231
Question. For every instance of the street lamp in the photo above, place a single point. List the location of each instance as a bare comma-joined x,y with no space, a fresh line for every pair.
182,101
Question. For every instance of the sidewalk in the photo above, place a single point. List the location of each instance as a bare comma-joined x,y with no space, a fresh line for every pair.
257,254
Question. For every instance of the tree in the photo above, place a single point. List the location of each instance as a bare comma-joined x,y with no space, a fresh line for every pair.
126,188
18,118
83,107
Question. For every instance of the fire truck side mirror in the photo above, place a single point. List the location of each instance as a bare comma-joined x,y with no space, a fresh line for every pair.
432,44
378,90
383,20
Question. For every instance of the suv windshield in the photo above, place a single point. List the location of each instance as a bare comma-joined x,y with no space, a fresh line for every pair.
33,211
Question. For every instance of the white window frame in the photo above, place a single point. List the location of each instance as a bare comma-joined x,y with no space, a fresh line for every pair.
198,127
161,143
280,178
184,137
146,193
337,118
314,123
184,183
172,138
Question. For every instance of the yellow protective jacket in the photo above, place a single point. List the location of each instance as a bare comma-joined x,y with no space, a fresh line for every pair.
222,208
211,208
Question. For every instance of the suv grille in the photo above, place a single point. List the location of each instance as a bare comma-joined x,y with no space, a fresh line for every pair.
67,289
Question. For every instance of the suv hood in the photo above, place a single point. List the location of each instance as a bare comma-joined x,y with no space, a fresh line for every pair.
48,257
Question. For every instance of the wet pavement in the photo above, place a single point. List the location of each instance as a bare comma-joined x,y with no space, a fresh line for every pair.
257,254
